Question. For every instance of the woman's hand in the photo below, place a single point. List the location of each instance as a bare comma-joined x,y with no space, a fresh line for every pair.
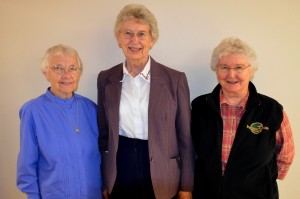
184,195
105,194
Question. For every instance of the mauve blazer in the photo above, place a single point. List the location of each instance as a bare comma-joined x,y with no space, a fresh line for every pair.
171,153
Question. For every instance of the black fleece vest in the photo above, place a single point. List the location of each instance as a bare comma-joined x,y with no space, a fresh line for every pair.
251,170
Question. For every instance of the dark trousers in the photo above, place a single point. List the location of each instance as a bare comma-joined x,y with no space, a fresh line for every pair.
133,170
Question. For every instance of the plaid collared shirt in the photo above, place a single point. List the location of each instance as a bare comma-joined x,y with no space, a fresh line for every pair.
232,115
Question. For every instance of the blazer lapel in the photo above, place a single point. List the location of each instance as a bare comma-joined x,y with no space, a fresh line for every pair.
113,96
156,94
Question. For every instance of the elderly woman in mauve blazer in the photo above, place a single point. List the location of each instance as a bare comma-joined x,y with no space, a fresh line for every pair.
144,118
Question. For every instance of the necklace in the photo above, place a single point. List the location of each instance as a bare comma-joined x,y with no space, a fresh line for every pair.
62,111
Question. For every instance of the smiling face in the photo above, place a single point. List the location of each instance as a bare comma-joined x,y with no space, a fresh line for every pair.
135,40
63,85
232,83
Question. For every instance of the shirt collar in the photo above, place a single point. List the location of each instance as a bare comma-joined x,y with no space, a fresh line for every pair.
145,74
223,100
66,102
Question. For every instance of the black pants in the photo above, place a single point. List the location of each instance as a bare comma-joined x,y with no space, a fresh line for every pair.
133,170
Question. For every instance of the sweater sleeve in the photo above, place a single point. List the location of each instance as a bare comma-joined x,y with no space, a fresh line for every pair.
285,147
28,156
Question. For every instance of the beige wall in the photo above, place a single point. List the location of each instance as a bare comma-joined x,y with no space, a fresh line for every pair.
189,31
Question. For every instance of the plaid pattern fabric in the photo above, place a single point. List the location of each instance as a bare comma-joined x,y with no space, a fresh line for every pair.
285,147
232,115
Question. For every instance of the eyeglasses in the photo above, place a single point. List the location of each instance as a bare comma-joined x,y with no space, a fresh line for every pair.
238,69
60,69
142,35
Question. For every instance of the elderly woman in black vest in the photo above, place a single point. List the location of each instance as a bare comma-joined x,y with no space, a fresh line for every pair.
243,139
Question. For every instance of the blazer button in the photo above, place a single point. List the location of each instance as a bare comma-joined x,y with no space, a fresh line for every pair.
151,159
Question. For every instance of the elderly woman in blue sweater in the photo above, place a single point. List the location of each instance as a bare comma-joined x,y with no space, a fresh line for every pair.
59,156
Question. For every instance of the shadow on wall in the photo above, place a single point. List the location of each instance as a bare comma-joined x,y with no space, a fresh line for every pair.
201,80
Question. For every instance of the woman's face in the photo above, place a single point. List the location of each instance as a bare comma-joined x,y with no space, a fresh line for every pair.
135,40
63,75
234,74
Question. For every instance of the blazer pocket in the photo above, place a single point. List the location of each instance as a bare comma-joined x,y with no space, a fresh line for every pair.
174,171
176,160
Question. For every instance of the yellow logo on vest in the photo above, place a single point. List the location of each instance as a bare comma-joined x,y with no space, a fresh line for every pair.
257,127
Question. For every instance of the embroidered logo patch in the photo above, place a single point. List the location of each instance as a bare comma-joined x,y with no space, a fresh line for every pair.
257,127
